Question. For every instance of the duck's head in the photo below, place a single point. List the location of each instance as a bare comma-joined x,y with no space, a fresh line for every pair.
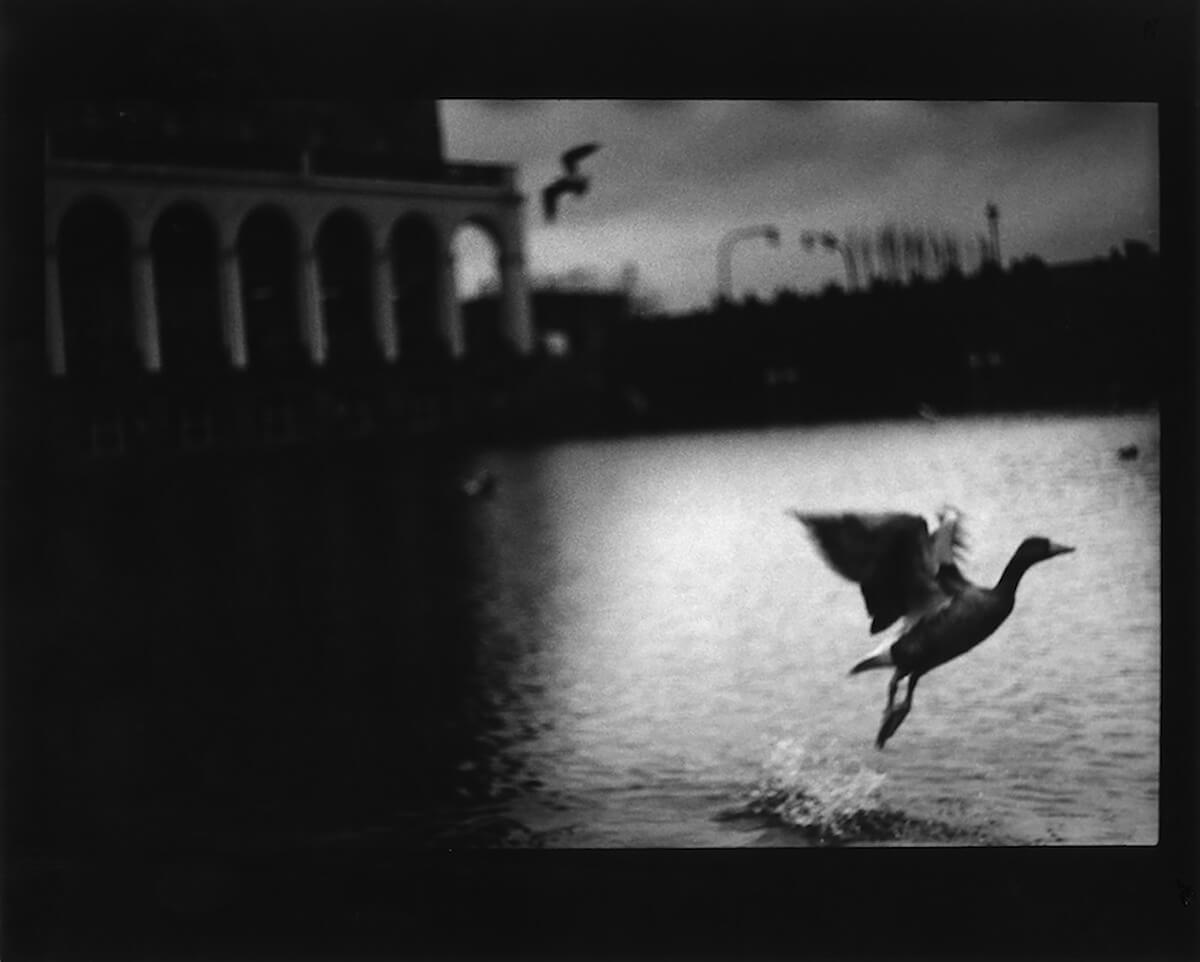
1035,549
1028,553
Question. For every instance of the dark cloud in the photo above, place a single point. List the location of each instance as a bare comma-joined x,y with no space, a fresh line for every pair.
1044,125
1071,179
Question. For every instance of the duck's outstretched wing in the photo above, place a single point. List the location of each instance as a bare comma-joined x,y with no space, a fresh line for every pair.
951,580
892,557
948,542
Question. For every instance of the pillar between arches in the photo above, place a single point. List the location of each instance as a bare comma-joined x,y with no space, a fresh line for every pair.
56,342
312,328
233,318
384,303
449,312
518,323
145,308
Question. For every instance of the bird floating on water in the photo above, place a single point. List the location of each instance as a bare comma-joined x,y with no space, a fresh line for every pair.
908,573
1128,453
482,485
574,181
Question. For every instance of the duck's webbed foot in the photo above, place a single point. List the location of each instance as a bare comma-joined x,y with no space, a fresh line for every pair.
892,686
892,717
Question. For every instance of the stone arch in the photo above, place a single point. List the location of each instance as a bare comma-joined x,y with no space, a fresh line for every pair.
415,252
184,242
268,249
344,254
94,241
479,281
487,225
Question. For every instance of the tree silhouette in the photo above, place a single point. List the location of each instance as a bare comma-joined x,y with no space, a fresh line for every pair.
889,252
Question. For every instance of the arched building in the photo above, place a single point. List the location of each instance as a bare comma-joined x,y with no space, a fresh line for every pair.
186,243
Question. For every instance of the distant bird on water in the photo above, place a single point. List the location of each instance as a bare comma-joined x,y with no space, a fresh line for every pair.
573,181
906,572
1128,453
482,485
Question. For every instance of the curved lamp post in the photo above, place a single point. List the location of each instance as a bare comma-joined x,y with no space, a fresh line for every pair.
992,212
809,239
725,254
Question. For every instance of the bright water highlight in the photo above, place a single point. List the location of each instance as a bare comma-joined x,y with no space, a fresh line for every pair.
666,655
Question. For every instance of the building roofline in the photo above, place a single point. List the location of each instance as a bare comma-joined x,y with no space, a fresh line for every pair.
297,180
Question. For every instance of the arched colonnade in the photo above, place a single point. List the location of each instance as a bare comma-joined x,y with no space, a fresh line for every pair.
162,271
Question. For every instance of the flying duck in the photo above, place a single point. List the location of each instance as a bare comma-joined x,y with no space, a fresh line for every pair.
572,182
906,572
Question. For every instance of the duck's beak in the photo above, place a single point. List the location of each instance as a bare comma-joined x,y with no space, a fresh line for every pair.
1059,549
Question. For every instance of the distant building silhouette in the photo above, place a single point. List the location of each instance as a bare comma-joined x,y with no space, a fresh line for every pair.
567,323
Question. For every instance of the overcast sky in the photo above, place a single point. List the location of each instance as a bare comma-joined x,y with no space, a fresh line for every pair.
1071,181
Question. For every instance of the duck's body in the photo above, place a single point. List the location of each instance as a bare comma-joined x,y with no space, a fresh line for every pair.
971,616
905,571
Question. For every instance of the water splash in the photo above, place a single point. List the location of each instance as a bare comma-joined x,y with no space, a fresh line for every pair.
814,786
829,794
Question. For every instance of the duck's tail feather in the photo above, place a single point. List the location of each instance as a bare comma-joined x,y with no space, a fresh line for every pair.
881,657
875,661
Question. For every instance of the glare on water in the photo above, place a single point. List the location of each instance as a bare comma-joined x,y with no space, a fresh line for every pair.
670,656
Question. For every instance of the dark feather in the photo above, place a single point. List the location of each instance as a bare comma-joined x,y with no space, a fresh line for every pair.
951,580
883,553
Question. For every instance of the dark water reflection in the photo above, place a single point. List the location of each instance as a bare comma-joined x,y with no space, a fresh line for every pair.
246,654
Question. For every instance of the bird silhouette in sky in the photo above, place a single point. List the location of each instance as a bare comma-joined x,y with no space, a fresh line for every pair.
572,182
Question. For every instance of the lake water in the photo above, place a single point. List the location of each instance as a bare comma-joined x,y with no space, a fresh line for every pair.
628,645
665,656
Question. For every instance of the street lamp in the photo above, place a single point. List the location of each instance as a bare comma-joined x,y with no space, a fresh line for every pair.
992,212
810,239
725,254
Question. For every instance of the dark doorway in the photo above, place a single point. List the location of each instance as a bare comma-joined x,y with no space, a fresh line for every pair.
97,296
415,275
268,250
344,251
186,280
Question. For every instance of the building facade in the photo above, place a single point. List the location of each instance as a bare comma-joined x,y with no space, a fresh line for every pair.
275,241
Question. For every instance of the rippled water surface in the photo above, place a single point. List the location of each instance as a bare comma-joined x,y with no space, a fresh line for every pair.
667,656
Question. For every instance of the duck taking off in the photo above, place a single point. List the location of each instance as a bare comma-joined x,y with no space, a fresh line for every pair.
906,572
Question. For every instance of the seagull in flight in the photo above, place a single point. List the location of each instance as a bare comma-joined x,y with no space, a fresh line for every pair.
573,181
911,575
